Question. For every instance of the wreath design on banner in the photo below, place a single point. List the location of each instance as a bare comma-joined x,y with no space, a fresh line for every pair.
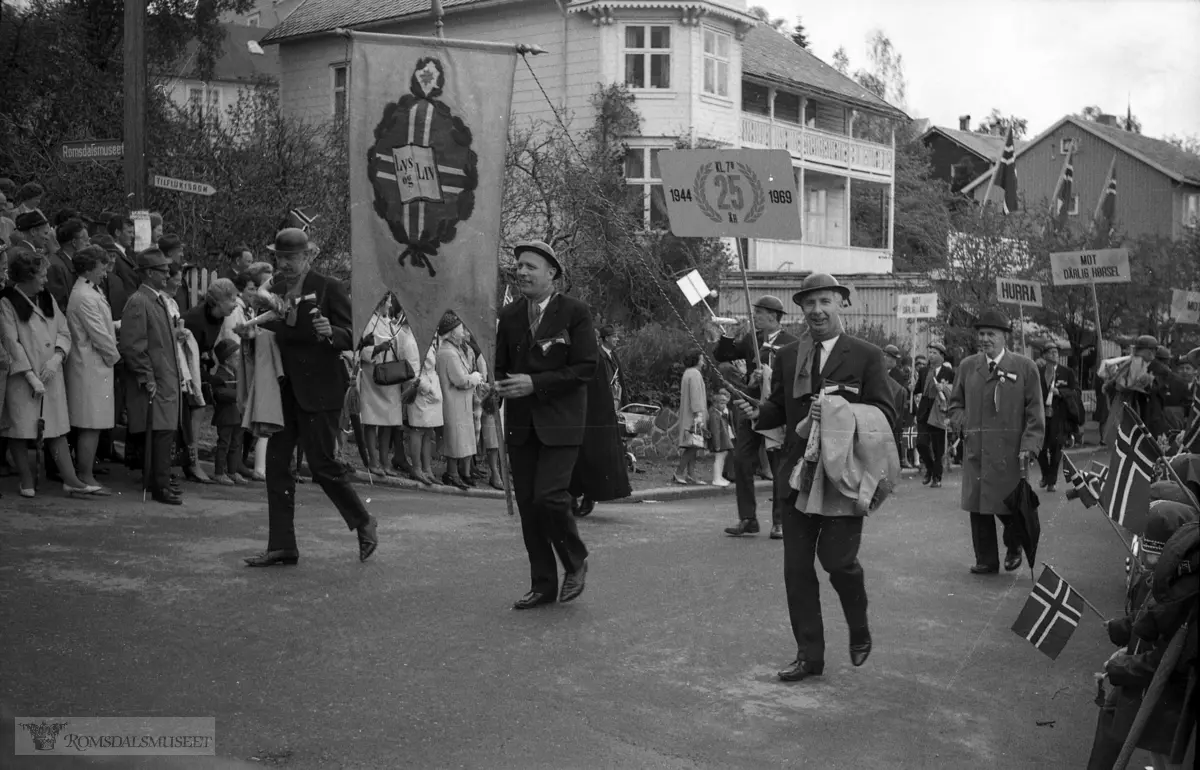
758,204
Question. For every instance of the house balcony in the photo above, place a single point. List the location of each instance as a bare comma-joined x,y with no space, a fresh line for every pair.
819,149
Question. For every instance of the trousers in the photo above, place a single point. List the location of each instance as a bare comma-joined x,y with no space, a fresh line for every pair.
746,447
158,465
541,477
983,538
1050,456
931,447
834,541
316,433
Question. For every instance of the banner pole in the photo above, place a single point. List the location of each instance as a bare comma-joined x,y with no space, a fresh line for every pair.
1021,327
749,302
436,7
1099,334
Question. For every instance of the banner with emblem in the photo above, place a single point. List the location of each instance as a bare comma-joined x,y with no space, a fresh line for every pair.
428,133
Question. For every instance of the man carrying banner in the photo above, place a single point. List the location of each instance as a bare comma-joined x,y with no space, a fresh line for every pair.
997,402
1060,390
545,356
312,330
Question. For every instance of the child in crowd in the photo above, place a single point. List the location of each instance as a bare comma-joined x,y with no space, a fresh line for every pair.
227,416
720,441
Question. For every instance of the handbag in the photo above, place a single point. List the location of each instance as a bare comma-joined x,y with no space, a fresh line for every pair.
392,372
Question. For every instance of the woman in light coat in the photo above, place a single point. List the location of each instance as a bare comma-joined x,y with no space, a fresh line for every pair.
458,383
89,372
37,339
424,418
380,408
693,418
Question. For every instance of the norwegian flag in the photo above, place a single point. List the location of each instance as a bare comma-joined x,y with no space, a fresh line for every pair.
1106,208
910,437
1050,615
1085,484
1189,440
300,218
1126,492
1065,194
1006,173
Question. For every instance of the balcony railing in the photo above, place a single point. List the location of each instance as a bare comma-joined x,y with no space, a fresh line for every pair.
815,146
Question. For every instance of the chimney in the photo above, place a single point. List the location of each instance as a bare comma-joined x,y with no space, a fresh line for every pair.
964,122
1107,120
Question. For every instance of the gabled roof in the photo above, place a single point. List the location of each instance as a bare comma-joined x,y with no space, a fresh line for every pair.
236,62
771,56
313,17
1179,165
986,146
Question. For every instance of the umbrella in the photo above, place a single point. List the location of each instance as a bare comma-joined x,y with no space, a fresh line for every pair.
39,441
146,447
1024,525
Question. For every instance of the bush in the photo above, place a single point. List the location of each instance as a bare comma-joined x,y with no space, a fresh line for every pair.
653,361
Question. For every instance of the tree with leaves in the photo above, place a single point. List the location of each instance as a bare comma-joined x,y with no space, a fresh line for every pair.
996,123
799,35
1187,143
841,60
1128,121
779,24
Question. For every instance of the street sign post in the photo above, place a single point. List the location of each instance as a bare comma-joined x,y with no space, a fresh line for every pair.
182,185
917,306
731,193
1076,268
1185,306
100,149
1024,293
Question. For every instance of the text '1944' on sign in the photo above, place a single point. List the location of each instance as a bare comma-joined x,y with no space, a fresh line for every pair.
731,193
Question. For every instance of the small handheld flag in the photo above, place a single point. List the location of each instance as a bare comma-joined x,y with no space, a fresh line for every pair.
1086,485
1050,615
1126,492
1189,440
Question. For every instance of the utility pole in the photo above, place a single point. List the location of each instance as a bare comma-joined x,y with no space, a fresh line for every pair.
135,103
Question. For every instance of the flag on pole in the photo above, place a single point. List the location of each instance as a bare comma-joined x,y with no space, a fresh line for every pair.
1126,492
1086,484
1064,193
1189,440
428,135
1106,208
299,217
1006,173
1050,615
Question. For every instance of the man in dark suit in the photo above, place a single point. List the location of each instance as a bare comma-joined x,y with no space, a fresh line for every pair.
769,337
1060,387
931,434
609,339
314,331
827,361
545,357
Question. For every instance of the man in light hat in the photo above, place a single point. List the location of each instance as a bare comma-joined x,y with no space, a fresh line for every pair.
769,337
316,329
825,361
997,402
147,343
1060,389
545,357
931,415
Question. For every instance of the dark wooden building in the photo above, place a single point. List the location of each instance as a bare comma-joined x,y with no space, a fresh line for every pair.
1158,184
959,156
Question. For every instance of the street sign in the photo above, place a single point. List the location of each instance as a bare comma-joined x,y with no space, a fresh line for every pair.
1071,268
1185,306
1025,293
731,193
917,306
182,185
101,149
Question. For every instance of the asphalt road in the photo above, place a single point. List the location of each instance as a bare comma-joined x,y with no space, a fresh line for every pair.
414,659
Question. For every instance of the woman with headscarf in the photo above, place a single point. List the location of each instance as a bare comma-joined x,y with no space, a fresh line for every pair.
380,407
458,392
424,418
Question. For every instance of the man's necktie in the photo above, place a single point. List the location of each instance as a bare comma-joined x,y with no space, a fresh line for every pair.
991,368
816,368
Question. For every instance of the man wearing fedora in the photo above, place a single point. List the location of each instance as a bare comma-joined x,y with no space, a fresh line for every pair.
316,330
151,373
931,414
769,337
545,357
997,402
1060,394
827,360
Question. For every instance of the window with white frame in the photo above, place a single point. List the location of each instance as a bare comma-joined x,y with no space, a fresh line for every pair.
253,19
648,56
1074,212
1191,210
341,83
716,62
641,169
204,101
1065,145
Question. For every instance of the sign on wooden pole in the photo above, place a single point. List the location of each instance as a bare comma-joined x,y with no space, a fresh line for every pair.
1185,306
917,306
731,193
101,149
1076,268
182,185
1024,293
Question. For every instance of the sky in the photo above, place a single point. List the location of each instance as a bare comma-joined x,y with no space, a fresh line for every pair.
1035,59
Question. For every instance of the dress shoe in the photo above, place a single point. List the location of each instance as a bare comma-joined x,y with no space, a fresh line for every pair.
935,484
196,475
1042,484
223,480
1051,488
777,532
744,527
572,585
273,558
983,569
533,599
167,497
468,481
1012,562
586,506
928,478
860,646
801,669
368,538
452,480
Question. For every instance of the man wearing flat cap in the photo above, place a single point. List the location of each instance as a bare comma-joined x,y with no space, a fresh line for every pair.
33,232
1060,394
931,414
824,362
998,404
545,357
313,332
769,337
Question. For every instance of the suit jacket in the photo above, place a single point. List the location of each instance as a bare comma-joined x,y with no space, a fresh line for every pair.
560,357
60,277
313,367
147,346
123,280
1059,413
742,349
929,395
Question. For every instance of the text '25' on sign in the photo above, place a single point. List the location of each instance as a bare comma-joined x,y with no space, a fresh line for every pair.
731,193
